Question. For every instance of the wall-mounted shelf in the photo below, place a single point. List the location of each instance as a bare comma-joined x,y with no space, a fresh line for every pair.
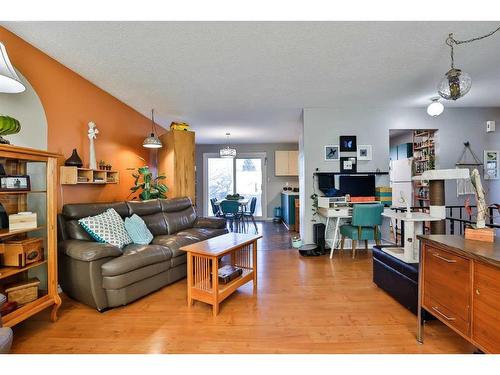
351,173
80,176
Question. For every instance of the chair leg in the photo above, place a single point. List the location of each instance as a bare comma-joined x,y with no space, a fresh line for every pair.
254,224
353,249
366,244
377,240
342,242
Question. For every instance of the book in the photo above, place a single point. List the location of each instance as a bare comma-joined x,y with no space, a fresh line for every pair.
228,273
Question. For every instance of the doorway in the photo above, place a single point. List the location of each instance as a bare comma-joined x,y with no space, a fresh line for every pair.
245,175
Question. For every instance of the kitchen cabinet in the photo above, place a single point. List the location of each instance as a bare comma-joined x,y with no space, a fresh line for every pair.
286,163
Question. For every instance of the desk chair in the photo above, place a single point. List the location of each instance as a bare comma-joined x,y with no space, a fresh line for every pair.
231,212
215,208
366,219
250,214
5,333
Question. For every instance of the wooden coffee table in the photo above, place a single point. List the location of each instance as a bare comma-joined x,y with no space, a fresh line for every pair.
237,249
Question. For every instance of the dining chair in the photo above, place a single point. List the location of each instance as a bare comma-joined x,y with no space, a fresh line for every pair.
215,208
250,214
231,212
366,219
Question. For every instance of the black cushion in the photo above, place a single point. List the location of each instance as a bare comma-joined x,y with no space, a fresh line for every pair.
410,270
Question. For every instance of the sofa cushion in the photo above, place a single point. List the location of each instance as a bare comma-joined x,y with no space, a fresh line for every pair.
137,230
201,233
174,242
79,210
151,212
210,222
179,214
88,251
125,279
107,227
134,257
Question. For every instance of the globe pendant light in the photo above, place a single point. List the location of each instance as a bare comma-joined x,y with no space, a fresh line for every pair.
152,141
9,80
456,83
435,108
227,152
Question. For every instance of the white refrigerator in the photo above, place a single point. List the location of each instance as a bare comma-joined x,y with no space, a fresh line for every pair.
400,180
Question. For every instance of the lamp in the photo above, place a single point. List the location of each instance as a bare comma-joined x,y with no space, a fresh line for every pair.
456,83
435,108
9,80
227,152
152,141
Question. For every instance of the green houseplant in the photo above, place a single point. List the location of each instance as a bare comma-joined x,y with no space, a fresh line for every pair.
149,187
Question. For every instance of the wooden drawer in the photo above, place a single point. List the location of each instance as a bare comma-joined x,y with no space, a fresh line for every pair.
447,283
445,315
486,307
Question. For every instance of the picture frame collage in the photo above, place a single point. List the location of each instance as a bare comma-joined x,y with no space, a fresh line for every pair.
348,144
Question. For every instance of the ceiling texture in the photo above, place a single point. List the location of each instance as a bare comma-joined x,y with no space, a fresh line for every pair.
254,78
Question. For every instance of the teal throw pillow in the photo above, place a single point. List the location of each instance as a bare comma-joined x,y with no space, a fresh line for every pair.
137,230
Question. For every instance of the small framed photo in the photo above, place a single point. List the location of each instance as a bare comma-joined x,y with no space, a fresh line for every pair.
15,183
491,165
348,164
332,153
348,143
364,152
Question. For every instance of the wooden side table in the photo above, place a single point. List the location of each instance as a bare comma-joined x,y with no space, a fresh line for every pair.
203,258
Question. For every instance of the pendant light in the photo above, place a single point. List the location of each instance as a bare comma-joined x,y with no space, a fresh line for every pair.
9,80
456,83
435,108
152,141
227,152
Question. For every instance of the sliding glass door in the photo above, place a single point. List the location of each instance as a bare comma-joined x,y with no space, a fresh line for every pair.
245,175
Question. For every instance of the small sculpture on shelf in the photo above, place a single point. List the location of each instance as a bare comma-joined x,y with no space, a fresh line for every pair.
74,160
92,134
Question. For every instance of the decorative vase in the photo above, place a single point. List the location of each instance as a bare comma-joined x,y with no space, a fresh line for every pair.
74,160
8,125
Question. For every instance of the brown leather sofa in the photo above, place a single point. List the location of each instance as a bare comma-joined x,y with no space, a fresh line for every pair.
103,276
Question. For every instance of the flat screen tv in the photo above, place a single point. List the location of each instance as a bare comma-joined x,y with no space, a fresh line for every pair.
357,186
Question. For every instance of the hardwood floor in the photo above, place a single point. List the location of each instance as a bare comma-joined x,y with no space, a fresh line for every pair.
303,305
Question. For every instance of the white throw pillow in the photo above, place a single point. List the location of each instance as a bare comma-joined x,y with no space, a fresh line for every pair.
107,227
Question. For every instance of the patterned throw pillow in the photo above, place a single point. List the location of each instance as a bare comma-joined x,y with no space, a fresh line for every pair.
137,230
107,227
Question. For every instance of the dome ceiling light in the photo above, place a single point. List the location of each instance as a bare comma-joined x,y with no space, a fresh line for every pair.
456,83
435,108
152,141
9,80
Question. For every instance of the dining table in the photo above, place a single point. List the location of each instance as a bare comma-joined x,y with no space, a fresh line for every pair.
243,202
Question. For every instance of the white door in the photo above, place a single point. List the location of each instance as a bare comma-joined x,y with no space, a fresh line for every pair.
245,175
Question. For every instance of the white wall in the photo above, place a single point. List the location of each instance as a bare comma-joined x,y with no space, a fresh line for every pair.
322,126
274,183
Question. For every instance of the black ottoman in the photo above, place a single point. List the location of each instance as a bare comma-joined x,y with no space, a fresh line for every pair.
397,278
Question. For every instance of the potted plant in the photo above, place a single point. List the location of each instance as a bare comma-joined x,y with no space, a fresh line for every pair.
149,187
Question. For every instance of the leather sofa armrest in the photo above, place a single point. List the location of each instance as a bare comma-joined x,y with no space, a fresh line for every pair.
210,222
88,251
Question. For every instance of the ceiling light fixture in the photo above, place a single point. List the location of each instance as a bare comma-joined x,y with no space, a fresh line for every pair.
456,83
9,80
435,108
227,152
152,141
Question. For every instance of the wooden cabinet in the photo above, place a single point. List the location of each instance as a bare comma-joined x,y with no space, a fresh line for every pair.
460,286
40,198
288,209
286,163
176,159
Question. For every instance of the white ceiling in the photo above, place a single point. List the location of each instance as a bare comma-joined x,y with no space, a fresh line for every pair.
254,78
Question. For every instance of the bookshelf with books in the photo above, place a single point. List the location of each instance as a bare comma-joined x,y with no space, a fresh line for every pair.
424,158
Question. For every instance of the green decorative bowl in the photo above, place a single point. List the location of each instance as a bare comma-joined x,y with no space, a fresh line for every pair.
8,126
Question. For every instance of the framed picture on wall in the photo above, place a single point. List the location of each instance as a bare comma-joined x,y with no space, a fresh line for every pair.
348,143
348,164
491,164
332,153
364,152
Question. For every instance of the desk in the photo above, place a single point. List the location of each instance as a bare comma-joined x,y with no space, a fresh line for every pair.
336,215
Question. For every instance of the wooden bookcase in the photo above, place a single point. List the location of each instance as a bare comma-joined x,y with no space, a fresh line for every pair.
74,176
424,158
41,166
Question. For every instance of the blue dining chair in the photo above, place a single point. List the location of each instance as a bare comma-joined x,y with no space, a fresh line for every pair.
366,219
231,212
215,208
250,214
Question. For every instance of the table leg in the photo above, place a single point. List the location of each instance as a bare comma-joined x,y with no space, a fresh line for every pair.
189,278
335,236
254,264
215,285
420,324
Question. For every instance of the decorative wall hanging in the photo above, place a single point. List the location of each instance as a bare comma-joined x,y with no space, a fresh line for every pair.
491,162
456,83
464,186
92,134
348,143
348,164
332,153
365,152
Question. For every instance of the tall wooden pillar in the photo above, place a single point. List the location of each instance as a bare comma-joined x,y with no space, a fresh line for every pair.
437,206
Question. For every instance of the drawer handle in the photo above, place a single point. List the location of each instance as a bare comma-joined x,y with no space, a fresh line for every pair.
443,258
436,309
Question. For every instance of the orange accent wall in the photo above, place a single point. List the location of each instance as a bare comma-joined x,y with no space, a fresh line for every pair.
70,102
